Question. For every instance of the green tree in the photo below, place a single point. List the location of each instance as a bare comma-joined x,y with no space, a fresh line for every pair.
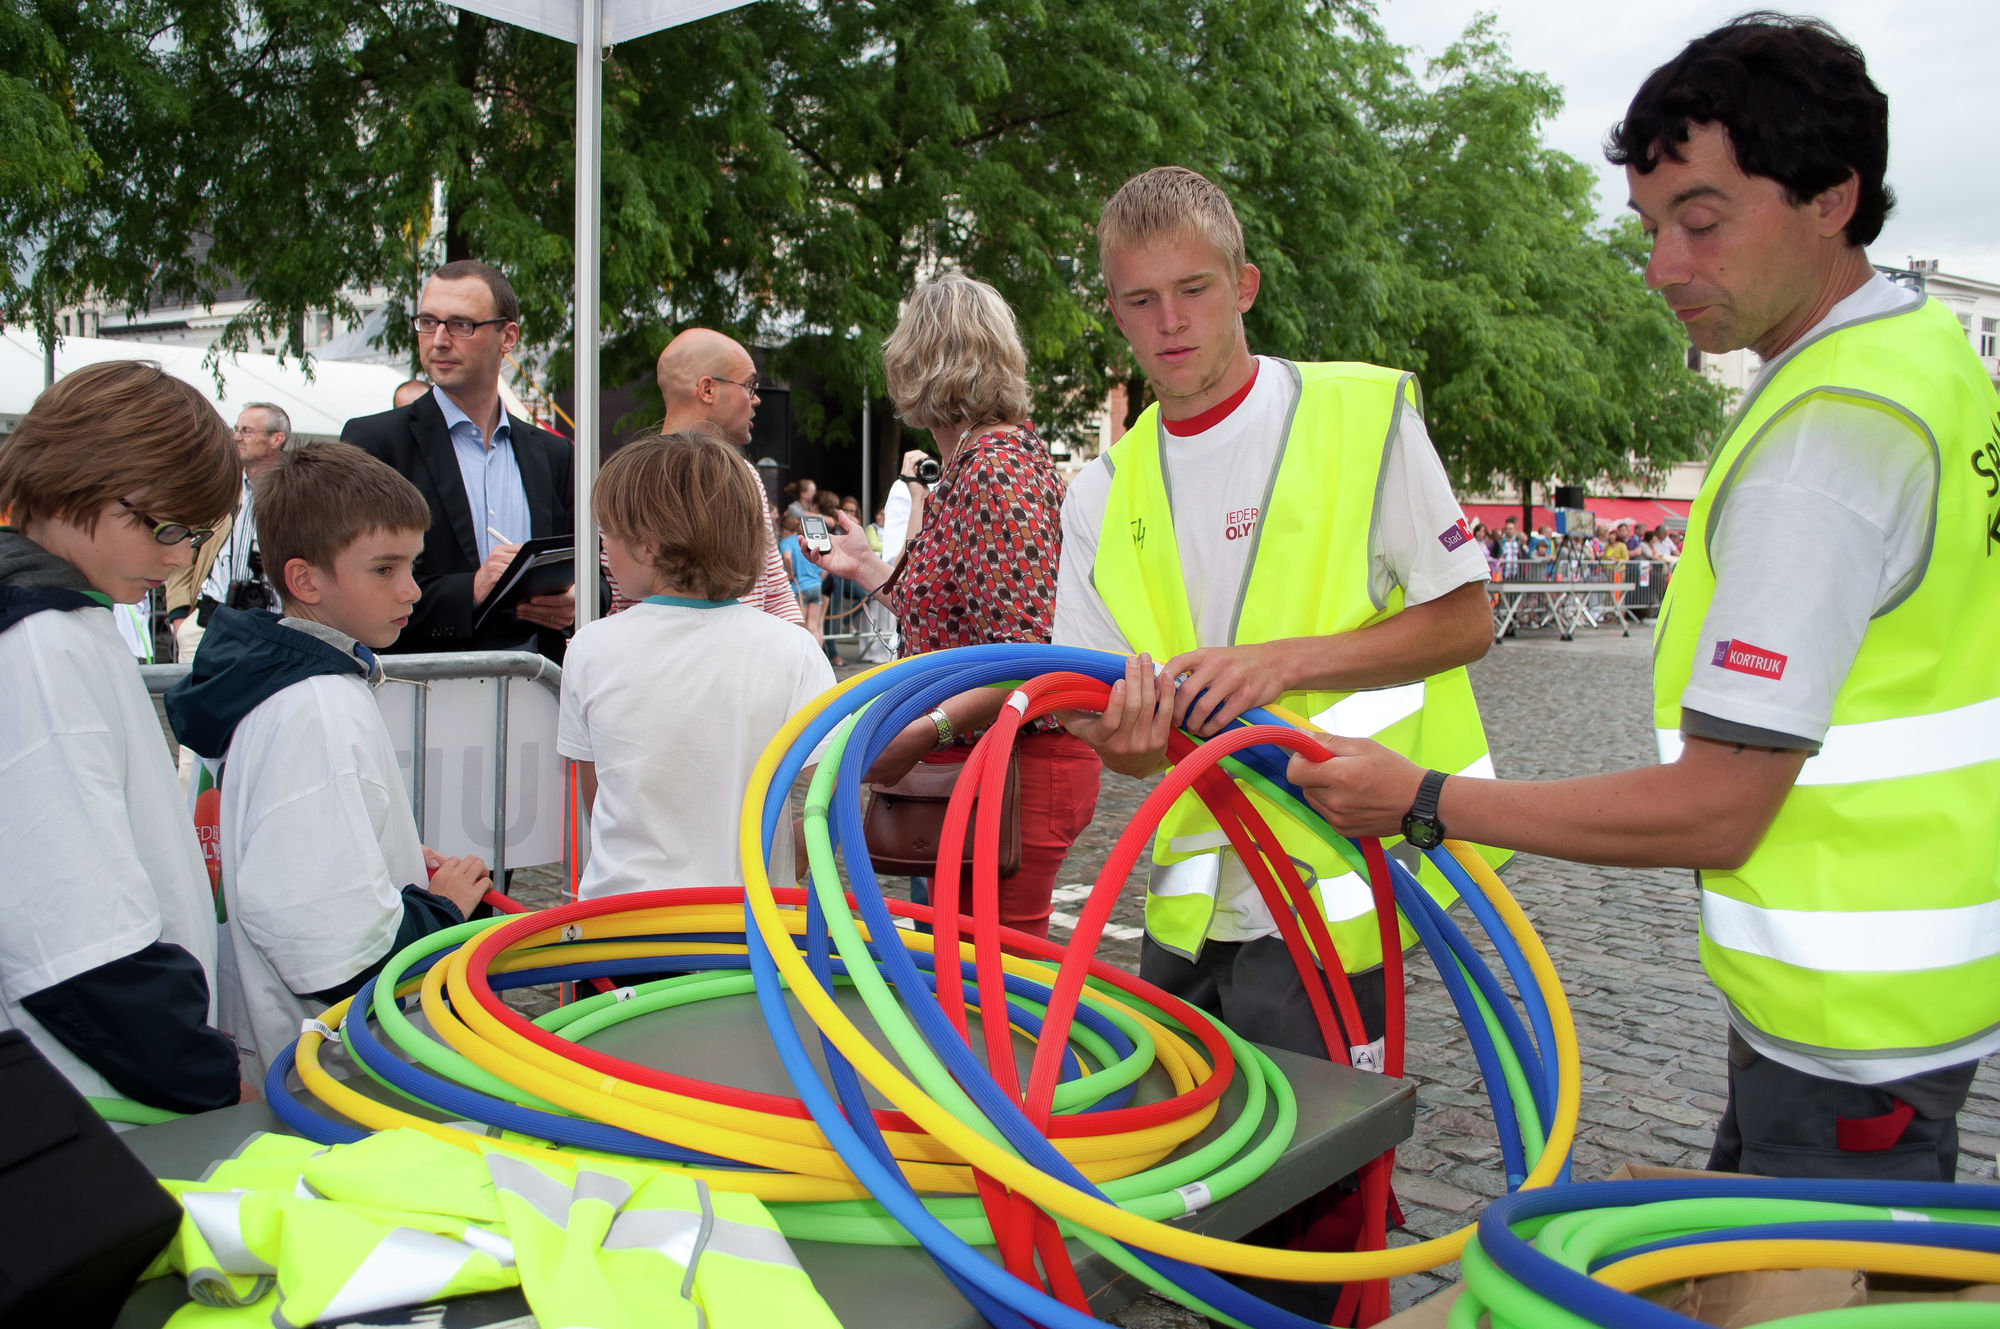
988,135
786,171
1540,350
790,167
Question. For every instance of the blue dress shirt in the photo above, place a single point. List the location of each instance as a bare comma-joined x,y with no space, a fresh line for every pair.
492,477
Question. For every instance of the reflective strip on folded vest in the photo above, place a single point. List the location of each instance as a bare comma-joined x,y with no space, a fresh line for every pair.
748,1275
597,1251
218,1215
343,1260
407,1267
559,1222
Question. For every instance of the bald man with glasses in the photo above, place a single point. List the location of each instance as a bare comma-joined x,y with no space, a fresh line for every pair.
708,378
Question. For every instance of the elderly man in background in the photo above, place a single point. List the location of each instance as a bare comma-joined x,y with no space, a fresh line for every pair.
226,569
408,391
227,562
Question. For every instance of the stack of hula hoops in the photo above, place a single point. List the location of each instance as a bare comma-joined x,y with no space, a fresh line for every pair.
969,1154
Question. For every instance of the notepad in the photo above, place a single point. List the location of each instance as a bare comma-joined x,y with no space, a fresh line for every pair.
540,567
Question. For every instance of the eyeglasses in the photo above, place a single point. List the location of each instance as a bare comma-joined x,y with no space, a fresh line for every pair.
457,327
171,532
750,386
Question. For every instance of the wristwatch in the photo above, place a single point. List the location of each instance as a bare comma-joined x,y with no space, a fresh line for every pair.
944,730
1421,826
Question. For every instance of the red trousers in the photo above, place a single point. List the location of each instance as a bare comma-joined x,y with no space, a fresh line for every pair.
1059,777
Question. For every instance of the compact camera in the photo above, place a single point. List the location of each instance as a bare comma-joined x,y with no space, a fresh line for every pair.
928,471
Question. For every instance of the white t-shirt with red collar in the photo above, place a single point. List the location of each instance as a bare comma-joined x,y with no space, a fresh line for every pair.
1218,467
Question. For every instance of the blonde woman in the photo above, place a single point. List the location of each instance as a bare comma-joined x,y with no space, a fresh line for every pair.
981,562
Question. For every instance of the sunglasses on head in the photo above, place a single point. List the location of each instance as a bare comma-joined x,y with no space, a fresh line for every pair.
171,532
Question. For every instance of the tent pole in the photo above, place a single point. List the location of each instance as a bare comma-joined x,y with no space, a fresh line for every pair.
867,457
589,132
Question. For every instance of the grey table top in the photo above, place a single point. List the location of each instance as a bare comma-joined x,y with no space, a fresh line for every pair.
1345,1118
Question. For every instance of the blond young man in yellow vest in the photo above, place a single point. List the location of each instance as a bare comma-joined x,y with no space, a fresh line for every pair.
1268,530
1831,743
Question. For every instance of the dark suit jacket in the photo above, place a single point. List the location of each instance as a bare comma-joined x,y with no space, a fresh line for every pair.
417,443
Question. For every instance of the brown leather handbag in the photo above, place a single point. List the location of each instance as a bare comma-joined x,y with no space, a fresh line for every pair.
905,821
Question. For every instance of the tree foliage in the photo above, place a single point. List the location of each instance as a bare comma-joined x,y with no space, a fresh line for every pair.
1541,351
786,171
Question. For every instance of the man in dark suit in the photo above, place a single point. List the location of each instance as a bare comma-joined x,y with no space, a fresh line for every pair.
492,480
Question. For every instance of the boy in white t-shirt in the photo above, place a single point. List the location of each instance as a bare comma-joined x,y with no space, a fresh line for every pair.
667,707
323,875
107,948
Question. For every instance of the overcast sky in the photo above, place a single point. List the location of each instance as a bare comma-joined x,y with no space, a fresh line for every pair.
1938,61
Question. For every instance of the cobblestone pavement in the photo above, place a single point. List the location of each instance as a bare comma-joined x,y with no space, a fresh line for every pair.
1623,940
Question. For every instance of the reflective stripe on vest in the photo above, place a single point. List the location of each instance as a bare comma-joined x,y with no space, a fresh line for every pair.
1364,714
1308,575
594,1246
1874,941
218,1216
599,1250
1341,898
328,1259
407,1267
1864,931
1892,749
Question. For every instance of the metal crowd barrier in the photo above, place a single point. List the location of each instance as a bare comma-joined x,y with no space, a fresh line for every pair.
1567,592
460,739
852,618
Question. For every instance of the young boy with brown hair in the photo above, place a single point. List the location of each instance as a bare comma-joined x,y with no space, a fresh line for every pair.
667,706
108,949
323,874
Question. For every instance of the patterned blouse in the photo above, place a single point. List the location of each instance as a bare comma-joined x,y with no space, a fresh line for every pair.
983,566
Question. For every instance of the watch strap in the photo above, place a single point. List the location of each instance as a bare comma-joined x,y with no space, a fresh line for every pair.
1426,804
1421,826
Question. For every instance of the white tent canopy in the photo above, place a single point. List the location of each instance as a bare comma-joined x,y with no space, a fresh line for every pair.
319,405
622,19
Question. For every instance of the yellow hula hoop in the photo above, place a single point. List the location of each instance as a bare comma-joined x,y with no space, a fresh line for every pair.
741,1133
1087,1211
1737,1257
1175,1054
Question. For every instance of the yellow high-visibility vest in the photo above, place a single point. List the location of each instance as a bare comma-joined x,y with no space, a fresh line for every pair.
1864,932
1308,577
291,1234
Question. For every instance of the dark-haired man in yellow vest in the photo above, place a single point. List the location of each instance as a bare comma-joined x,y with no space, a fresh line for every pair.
1830,742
